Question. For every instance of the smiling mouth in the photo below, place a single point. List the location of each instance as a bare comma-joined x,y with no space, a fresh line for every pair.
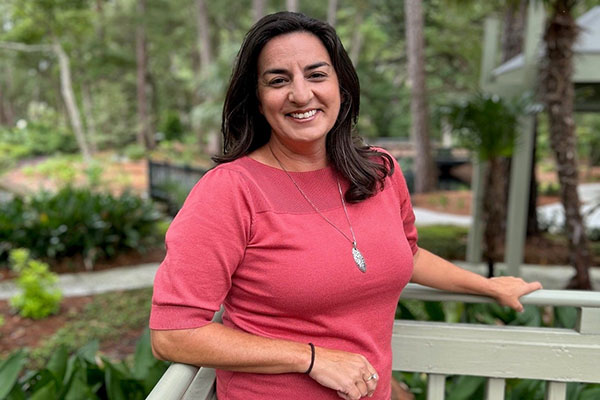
303,115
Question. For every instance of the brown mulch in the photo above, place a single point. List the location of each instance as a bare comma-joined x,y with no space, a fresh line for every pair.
20,332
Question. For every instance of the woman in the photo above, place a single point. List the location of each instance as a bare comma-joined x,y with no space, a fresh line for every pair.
305,235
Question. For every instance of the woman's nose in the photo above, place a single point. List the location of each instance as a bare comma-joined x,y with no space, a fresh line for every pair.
300,92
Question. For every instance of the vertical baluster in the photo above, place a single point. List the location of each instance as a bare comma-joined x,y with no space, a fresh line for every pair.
436,385
494,389
588,320
556,391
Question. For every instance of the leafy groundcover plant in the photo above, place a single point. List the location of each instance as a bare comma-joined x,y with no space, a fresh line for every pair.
82,375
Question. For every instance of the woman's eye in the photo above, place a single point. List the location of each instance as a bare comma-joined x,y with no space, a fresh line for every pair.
277,81
318,75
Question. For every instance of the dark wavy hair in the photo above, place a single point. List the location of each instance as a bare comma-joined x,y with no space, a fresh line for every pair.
245,129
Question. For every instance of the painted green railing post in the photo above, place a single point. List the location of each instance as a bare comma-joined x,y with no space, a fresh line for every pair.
520,175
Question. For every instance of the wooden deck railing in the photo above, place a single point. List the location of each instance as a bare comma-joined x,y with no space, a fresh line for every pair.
438,349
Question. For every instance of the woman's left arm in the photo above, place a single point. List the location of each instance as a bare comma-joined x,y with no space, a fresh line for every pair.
431,270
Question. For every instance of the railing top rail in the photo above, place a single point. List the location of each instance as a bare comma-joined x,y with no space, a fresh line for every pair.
573,298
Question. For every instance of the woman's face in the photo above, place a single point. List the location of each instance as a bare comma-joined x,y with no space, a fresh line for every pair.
298,89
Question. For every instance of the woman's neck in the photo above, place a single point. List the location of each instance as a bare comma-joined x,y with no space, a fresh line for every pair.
296,159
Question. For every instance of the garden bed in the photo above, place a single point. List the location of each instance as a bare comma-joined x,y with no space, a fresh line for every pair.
115,319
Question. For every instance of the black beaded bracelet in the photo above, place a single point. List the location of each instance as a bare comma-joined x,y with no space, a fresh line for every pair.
312,358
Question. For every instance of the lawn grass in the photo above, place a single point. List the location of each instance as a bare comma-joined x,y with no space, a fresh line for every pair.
108,317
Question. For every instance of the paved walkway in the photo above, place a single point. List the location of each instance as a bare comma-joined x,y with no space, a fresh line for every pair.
86,283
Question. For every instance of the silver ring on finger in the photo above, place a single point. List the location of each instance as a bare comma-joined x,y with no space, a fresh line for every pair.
372,376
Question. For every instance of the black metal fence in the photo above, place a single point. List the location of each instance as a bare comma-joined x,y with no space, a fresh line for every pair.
171,183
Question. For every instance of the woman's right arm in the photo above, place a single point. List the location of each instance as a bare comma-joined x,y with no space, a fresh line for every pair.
217,346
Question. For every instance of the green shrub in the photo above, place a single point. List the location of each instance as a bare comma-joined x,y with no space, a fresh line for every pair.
549,189
77,221
447,241
135,152
83,375
39,297
35,138
61,169
171,125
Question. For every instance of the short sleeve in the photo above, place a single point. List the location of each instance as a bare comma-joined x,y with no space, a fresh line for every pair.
205,243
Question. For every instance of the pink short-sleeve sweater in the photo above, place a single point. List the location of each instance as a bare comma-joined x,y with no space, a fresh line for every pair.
246,238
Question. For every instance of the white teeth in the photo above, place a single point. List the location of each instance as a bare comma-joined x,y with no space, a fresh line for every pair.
304,115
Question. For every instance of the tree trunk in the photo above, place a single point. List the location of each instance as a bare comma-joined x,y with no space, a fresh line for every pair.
332,12
494,212
425,170
357,36
532,220
258,9
291,5
557,73
66,87
204,44
145,137
213,142
100,23
6,113
88,110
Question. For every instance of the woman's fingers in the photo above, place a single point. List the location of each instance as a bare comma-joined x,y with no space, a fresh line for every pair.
509,289
351,375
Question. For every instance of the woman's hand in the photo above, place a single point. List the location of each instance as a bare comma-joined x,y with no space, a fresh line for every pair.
507,290
351,375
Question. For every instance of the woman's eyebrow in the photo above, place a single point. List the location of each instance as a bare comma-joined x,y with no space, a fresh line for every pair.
275,71
307,68
317,65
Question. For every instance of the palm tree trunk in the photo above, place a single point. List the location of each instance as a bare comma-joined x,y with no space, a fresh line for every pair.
426,174
557,73
494,212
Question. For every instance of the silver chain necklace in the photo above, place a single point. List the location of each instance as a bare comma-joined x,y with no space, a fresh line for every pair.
358,257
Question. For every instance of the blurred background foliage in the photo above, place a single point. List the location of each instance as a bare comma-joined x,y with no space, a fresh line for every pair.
185,97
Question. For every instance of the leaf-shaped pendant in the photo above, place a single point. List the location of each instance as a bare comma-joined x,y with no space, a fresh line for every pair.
359,259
